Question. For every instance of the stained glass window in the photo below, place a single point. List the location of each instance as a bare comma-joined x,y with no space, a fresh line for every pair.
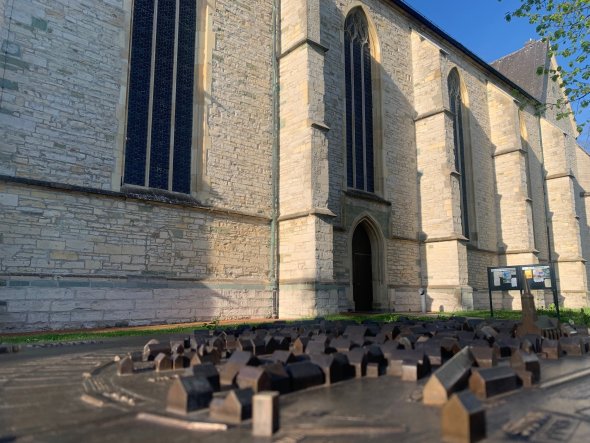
160,102
359,103
456,108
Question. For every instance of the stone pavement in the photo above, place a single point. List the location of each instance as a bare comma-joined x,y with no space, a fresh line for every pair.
44,398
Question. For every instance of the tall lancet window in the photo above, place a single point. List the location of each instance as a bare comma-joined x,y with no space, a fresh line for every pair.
461,165
160,103
359,103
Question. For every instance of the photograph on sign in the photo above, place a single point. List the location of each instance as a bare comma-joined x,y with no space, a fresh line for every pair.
539,275
504,278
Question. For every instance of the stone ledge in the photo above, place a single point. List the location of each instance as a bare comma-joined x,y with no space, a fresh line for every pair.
137,193
70,308
304,41
97,282
354,193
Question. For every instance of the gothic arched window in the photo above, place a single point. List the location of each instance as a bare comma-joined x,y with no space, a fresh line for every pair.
359,103
461,163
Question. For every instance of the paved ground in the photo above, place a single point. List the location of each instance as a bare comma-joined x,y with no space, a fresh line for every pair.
49,395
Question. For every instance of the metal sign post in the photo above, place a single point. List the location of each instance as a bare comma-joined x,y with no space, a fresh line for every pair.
490,293
554,288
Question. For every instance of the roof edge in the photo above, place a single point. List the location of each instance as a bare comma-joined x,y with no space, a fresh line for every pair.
478,60
515,52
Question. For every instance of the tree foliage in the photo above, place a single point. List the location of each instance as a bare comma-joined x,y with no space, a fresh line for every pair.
565,24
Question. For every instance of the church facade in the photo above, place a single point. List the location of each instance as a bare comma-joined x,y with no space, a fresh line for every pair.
186,160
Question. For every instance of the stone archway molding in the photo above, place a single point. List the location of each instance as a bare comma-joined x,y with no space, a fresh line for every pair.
378,258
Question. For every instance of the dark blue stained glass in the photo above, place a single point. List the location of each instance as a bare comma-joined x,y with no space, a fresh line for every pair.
139,92
162,108
456,130
183,125
368,118
459,146
464,196
459,139
349,111
358,116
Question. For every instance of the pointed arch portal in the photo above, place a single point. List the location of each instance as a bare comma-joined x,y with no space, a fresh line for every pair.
362,269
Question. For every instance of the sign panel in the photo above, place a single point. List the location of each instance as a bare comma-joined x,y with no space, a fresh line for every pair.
508,278
538,276
504,279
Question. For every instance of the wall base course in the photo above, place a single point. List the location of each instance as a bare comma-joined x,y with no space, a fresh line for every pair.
305,303
127,306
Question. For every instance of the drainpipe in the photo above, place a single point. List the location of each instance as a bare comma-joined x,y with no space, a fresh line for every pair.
274,232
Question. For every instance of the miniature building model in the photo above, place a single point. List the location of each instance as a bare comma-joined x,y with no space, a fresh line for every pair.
204,159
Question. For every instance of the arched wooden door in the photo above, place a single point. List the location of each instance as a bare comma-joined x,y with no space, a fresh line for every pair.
362,270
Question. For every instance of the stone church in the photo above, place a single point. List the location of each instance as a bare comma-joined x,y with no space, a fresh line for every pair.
179,160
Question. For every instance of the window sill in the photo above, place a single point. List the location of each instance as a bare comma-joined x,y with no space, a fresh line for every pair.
159,195
135,193
363,195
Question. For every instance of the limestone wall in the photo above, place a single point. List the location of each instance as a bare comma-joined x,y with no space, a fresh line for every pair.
582,189
62,85
64,100
240,114
62,122
77,259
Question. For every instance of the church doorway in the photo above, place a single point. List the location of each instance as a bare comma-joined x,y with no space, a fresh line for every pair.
362,269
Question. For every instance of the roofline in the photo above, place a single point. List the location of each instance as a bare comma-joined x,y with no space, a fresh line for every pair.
516,52
484,65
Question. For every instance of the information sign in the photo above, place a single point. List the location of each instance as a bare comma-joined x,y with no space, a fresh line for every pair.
538,276
504,279
509,278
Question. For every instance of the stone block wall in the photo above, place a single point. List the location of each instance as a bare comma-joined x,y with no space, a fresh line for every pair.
564,221
239,117
53,232
71,259
70,232
39,304
62,76
582,189
63,102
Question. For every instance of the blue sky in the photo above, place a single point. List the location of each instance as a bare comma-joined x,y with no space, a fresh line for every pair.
480,26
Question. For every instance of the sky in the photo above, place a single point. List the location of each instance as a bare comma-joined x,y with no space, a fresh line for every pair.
479,25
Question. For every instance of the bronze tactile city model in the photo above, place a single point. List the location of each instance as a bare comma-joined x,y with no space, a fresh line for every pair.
459,375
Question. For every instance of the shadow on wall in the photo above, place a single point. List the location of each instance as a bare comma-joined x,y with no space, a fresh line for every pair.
153,263
126,305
